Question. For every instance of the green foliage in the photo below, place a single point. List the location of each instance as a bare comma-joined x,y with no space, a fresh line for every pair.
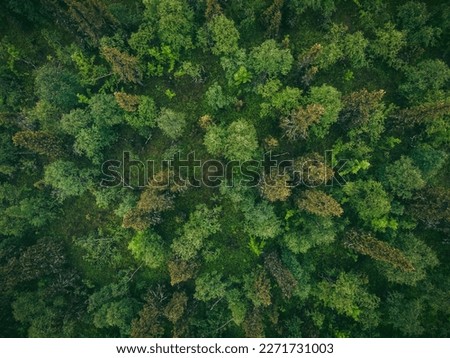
308,233
162,59
112,307
67,179
348,296
176,307
92,140
216,99
145,115
92,127
283,102
388,44
348,243
237,306
210,286
173,22
414,18
44,317
223,35
404,314
355,46
299,122
140,40
104,110
365,114
214,140
171,123
242,76
428,160
192,70
330,99
404,178
421,257
88,71
202,223
57,86
147,246
261,221
270,60
369,200
326,7
427,79
21,212
102,247
241,141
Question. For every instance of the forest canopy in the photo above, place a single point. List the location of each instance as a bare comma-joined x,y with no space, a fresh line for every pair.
212,168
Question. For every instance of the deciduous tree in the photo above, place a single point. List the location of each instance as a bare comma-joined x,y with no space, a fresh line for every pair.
181,271
285,280
210,286
223,36
403,178
257,288
147,246
366,244
171,123
125,66
176,307
202,223
41,142
275,187
370,201
269,60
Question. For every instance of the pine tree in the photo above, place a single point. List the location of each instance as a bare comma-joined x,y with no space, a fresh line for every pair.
125,66
286,281
366,244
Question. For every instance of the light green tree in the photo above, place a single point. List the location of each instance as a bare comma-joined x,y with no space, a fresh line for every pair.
268,59
57,86
214,139
348,296
388,44
174,23
330,99
240,141
370,201
147,246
